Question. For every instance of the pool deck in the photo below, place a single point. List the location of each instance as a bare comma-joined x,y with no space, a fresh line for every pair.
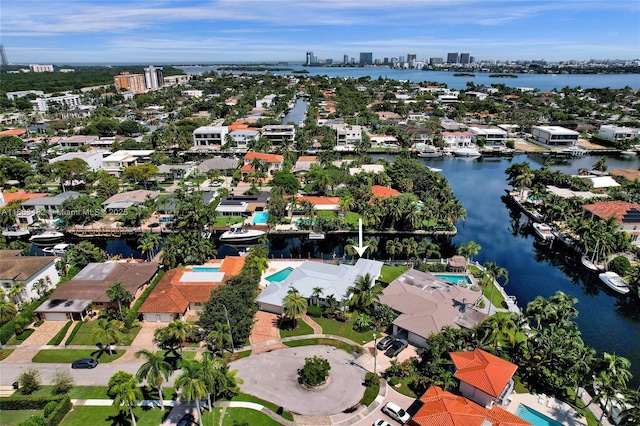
275,266
547,405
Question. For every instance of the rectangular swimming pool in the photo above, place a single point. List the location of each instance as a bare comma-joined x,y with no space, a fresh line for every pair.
205,269
534,417
280,275
460,279
260,218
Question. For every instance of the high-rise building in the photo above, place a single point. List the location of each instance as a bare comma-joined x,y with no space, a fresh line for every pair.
3,55
453,58
345,59
309,60
385,61
465,58
411,57
436,61
366,58
153,77
40,68
130,82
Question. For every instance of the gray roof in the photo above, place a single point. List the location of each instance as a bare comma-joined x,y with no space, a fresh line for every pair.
139,196
218,163
59,305
55,200
334,280
427,303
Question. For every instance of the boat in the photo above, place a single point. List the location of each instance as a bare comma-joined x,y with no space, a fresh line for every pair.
628,153
58,249
614,282
46,237
592,262
430,153
240,234
573,151
544,231
316,236
466,151
15,232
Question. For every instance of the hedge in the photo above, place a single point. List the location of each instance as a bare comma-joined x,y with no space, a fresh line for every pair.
60,412
73,333
9,329
38,403
132,315
57,339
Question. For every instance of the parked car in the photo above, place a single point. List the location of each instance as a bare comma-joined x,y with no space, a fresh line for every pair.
395,412
85,363
396,347
187,420
381,422
215,183
385,342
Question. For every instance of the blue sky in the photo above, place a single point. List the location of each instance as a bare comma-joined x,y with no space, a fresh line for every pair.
199,31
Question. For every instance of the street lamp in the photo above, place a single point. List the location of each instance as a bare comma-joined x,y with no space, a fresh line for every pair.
375,350
226,314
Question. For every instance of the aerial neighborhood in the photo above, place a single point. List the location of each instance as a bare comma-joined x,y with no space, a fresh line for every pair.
281,243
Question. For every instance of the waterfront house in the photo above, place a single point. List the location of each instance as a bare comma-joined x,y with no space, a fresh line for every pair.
273,163
454,140
333,279
627,216
27,270
281,134
93,159
319,204
618,133
424,304
440,407
379,191
184,290
493,136
348,137
242,205
35,208
243,138
210,137
88,288
484,378
118,203
554,136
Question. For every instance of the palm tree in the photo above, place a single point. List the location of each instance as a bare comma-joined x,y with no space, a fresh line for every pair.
617,368
394,247
191,383
16,292
107,331
7,311
213,375
179,331
148,243
363,292
155,371
317,292
372,244
128,394
220,338
294,304
118,292
469,249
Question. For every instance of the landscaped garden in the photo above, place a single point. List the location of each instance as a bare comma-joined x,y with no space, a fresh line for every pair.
70,355
85,335
86,415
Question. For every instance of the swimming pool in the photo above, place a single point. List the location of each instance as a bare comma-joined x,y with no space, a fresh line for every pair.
455,279
205,269
279,276
534,417
260,218
166,219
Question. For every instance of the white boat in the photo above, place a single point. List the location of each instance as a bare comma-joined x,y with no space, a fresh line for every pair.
614,282
15,232
466,151
573,151
46,237
430,153
628,153
240,234
592,262
316,236
58,249
544,231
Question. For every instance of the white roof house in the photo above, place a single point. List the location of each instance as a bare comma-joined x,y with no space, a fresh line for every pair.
334,280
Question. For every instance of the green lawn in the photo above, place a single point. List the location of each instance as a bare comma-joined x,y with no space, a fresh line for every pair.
270,405
78,392
344,329
226,221
5,353
404,388
314,342
351,218
301,330
70,355
85,415
19,338
240,416
14,417
86,331
390,273
496,298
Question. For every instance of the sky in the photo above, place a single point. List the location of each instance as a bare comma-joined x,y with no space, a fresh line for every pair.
216,31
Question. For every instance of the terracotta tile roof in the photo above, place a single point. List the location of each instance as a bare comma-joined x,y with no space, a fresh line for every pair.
483,371
269,158
623,212
383,192
242,125
171,295
442,408
13,132
319,200
21,195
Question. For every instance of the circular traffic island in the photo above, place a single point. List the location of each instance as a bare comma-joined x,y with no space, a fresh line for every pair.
276,377
315,373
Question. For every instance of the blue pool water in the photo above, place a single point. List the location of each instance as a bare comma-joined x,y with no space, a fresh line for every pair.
260,218
166,219
205,269
279,276
535,418
456,279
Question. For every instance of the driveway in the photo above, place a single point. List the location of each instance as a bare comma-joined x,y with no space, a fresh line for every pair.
273,376
32,345
392,396
143,340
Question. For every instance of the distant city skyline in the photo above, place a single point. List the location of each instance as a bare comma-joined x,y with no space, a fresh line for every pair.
209,31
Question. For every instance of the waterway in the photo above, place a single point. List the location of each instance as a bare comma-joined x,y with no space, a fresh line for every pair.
296,114
538,81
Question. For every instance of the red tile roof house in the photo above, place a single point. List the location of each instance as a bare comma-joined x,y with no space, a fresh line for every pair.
442,408
187,289
484,378
274,163
627,216
319,204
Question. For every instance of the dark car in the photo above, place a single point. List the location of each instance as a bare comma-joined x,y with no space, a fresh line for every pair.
84,363
385,342
187,420
396,347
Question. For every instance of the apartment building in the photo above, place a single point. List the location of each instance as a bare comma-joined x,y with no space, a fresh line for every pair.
210,137
67,101
134,83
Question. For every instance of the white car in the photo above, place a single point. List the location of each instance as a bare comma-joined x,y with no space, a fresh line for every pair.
395,412
381,422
